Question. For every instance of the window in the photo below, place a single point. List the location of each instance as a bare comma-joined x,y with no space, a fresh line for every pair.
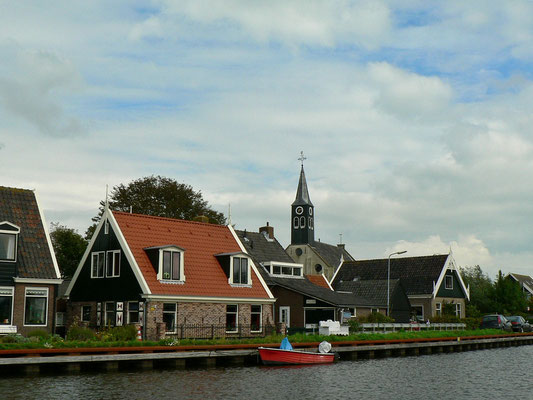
296,222
169,316
458,310
113,264
171,265
109,314
438,309
6,306
310,221
286,269
449,282
418,312
302,222
97,264
133,312
231,317
256,318
240,270
8,245
374,310
35,309
86,313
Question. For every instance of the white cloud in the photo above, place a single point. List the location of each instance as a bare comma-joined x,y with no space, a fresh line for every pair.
32,85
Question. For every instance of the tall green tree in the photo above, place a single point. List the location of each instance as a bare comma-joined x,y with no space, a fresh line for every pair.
69,247
508,296
158,196
481,290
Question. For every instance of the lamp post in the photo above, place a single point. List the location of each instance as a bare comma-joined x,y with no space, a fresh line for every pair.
388,278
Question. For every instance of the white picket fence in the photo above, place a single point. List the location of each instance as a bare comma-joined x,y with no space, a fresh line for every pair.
393,327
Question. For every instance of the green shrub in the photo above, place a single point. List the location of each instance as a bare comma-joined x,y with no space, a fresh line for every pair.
80,333
354,325
119,334
40,334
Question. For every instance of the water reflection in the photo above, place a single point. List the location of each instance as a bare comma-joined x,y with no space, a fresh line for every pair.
484,374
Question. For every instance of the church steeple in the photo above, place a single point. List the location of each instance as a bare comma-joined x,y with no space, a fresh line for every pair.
302,210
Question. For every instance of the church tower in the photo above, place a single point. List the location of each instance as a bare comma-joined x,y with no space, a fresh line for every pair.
302,212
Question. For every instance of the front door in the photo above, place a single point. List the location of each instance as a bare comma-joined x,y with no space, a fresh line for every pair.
285,315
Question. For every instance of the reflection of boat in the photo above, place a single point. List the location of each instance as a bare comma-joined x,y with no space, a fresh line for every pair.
271,356
285,355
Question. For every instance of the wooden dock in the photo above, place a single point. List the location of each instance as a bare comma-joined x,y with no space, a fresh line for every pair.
54,361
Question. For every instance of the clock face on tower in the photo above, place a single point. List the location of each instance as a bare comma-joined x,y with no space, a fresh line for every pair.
299,210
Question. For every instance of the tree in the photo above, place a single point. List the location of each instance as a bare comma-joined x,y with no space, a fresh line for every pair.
508,296
480,291
69,247
161,197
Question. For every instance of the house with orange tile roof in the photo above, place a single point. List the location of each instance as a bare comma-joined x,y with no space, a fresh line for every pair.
171,277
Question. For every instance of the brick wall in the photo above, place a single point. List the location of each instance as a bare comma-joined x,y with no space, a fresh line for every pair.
19,302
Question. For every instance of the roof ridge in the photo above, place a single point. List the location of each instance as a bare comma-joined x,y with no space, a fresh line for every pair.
397,258
168,219
17,189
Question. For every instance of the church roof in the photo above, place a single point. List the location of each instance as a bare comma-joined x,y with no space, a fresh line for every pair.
332,254
302,194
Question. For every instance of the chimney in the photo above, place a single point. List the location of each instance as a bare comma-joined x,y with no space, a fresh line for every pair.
201,218
267,230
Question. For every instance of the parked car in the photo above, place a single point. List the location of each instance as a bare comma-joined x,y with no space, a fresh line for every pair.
519,323
496,321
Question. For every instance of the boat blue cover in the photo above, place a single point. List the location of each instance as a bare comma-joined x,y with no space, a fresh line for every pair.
285,344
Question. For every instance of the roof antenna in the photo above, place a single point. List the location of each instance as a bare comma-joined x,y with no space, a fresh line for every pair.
106,206
131,209
229,214
340,236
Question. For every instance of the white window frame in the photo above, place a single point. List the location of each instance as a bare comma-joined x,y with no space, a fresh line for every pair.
99,254
46,296
249,272
12,232
458,310
421,306
271,264
181,266
113,267
236,312
438,309
260,317
296,222
302,221
81,312
4,292
450,287
288,314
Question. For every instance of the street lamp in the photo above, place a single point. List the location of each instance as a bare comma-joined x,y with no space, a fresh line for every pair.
388,278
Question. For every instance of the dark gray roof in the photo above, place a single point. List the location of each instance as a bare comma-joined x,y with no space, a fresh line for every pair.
416,273
262,249
523,280
302,193
374,291
34,257
304,286
331,254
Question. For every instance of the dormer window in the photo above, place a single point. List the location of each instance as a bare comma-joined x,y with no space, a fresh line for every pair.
284,269
8,241
171,265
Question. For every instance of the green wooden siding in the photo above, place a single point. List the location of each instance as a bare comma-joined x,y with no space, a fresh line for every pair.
106,289
456,291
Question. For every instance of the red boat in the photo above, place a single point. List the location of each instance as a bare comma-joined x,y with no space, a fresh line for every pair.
271,356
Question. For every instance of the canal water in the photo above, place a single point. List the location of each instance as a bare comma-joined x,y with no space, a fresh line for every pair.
483,374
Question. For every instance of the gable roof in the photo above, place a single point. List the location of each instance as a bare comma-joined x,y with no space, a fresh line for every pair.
374,291
418,274
525,281
35,254
331,254
202,242
263,249
319,280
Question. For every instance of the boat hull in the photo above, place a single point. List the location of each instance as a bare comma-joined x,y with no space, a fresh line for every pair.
271,356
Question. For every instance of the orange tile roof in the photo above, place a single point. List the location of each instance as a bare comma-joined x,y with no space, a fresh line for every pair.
319,280
204,275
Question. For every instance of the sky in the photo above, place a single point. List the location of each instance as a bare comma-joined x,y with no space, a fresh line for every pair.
415,117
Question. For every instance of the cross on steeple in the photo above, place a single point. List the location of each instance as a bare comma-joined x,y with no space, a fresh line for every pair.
302,157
